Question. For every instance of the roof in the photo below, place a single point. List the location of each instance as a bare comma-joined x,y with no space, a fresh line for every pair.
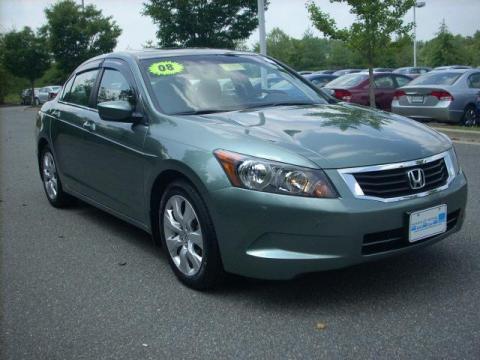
153,53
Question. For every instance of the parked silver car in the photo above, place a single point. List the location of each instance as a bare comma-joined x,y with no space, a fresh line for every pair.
441,95
451,67
47,93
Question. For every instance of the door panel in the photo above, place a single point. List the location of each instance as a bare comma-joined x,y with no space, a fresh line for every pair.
115,149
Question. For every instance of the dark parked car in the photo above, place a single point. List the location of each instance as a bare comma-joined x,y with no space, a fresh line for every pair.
325,72
354,88
413,72
319,80
263,181
27,97
379,69
346,71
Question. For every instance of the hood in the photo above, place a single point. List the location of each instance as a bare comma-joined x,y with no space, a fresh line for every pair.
338,135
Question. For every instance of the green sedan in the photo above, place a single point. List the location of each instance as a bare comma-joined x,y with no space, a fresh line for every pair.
236,164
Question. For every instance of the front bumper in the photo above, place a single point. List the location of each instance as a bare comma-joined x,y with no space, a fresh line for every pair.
272,236
440,112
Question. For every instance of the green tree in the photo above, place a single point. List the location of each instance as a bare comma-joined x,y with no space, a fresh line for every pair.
75,35
25,55
444,49
371,32
202,23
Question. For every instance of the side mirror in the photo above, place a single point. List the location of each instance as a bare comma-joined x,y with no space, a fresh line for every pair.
120,110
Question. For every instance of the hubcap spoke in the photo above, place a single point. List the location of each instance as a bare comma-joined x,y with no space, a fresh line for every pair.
177,209
183,264
195,259
170,222
196,238
188,216
173,243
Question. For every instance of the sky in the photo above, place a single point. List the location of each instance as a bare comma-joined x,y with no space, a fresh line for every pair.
461,17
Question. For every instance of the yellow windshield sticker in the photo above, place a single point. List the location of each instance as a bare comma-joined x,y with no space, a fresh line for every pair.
232,67
165,68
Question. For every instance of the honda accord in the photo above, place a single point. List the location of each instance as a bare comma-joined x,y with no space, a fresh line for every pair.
236,164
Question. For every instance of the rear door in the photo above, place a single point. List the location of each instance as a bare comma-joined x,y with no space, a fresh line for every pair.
115,149
384,90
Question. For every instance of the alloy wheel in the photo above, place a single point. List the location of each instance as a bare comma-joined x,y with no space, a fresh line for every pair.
49,173
183,235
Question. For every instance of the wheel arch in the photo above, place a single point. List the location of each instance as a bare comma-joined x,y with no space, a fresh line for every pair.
173,171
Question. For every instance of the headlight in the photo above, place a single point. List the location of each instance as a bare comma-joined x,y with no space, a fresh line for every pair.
274,177
453,165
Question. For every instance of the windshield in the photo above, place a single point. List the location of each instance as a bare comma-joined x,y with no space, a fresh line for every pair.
216,83
437,78
346,81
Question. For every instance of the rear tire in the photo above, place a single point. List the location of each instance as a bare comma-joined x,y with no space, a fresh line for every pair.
188,237
470,116
51,181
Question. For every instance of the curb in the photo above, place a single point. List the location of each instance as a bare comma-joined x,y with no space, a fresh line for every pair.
472,136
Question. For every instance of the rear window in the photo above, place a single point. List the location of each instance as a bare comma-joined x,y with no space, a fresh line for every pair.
437,78
348,80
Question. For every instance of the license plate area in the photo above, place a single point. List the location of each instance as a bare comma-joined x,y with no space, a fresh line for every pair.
416,99
426,223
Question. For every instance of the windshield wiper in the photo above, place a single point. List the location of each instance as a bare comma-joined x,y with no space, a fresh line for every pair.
203,111
287,103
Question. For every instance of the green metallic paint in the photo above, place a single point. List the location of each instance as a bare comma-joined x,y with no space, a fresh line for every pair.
260,234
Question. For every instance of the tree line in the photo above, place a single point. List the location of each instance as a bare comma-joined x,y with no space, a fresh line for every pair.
316,53
73,34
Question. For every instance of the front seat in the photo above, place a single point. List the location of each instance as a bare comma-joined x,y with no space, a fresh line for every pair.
209,94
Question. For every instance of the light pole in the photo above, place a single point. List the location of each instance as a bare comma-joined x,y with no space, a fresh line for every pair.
418,4
261,27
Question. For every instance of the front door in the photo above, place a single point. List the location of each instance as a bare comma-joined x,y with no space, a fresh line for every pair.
115,149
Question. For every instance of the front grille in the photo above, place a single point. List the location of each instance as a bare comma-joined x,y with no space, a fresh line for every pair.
394,182
398,238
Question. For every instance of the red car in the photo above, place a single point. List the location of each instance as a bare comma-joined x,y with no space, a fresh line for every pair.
354,88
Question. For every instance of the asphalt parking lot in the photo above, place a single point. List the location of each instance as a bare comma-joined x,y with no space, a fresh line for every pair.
80,284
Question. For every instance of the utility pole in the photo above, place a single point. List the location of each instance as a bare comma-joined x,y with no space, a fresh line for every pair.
418,4
261,27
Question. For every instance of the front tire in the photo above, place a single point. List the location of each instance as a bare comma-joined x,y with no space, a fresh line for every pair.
51,182
188,237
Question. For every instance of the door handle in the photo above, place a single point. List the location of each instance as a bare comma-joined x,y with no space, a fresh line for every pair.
90,125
